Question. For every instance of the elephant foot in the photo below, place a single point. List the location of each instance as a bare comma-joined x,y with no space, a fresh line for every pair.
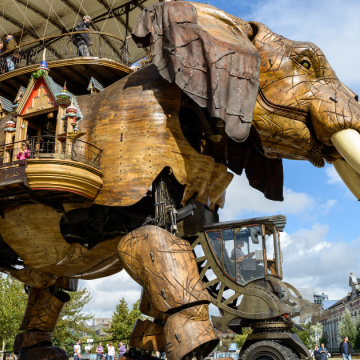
43,353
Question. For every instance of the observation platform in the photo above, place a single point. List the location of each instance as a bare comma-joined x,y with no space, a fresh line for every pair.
59,169
109,62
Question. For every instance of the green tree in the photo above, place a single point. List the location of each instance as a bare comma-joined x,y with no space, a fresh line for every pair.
13,301
123,319
324,338
241,338
72,318
303,334
349,326
315,334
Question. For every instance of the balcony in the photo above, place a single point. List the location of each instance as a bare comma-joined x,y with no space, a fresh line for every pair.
108,62
55,165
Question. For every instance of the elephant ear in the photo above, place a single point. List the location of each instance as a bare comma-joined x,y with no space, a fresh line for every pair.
264,174
208,54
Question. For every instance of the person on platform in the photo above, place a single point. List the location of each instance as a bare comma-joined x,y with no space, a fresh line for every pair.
82,41
99,351
10,44
122,349
77,350
111,351
323,352
346,349
25,152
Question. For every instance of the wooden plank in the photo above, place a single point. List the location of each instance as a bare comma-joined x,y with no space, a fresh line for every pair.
136,123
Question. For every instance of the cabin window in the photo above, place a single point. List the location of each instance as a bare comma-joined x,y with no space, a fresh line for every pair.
272,251
239,252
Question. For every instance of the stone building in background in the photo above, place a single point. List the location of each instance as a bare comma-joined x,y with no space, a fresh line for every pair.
352,302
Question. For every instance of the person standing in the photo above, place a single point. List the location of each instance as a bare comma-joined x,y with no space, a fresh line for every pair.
323,352
345,349
111,351
10,45
82,41
77,350
99,351
122,349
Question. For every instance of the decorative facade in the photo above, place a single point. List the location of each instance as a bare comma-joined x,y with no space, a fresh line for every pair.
352,302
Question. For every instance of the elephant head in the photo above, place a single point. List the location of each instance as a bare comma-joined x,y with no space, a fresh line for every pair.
252,78
303,111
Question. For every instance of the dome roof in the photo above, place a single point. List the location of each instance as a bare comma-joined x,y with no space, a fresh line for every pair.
27,20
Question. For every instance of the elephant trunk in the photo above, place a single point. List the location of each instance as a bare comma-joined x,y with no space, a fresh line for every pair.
336,120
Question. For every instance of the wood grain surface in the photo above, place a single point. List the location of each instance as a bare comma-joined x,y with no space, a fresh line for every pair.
33,231
136,123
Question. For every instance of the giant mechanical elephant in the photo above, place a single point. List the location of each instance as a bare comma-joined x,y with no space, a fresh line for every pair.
220,94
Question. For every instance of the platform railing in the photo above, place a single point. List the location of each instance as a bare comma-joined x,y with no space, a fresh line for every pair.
51,147
65,46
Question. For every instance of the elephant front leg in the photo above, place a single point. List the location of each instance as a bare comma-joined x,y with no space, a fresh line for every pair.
164,265
41,315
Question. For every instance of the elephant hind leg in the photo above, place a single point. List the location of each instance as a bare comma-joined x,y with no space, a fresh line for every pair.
41,316
173,293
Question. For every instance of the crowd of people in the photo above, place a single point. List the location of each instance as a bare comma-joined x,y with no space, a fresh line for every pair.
345,350
100,352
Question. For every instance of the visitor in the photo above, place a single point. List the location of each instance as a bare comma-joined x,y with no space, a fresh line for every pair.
82,41
10,44
345,349
316,353
323,352
122,349
25,152
99,351
111,351
3,65
77,350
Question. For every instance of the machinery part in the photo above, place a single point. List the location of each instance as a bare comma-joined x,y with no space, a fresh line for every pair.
189,334
43,309
41,315
164,265
146,308
268,350
44,353
147,335
289,340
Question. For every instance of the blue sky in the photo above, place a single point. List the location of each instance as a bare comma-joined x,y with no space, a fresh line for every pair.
321,243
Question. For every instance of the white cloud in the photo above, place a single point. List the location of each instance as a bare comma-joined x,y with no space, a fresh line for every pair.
333,176
331,24
311,260
107,292
327,206
242,198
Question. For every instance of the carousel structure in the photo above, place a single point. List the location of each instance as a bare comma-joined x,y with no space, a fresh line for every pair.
122,123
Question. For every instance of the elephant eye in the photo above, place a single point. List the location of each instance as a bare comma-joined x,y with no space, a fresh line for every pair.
305,64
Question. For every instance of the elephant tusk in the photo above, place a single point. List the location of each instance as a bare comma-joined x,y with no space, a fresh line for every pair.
347,142
349,176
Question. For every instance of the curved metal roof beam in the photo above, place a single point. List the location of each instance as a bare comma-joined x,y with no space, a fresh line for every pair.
20,26
79,12
40,13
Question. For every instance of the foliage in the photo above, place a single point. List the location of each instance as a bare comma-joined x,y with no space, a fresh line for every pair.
241,338
349,326
123,320
324,338
72,317
315,334
303,334
13,301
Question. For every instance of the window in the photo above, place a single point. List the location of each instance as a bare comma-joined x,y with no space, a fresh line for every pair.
272,251
214,240
248,254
